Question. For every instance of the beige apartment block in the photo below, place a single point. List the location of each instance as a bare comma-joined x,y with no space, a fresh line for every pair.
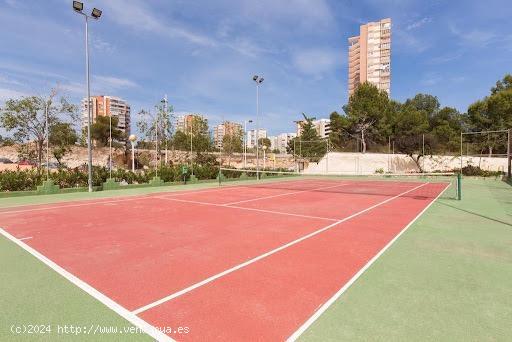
226,128
369,56
322,126
184,122
104,105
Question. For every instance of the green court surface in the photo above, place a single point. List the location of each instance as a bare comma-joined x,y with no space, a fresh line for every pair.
448,277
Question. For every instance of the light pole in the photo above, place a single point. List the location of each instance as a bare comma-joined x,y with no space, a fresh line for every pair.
264,147
133,139
47,141
110,145
245,141
259,81
95,14
191,146
156,145
164,116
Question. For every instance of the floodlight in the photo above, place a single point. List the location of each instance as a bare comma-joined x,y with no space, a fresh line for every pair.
96,13
255,78
260,80
78,6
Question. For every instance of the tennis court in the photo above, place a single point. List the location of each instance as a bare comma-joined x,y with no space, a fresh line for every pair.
258,261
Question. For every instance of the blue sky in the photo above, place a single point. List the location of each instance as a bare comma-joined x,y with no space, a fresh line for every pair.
202,54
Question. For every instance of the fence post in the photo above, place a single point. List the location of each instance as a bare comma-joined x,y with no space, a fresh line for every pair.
509,154
461,152
459,186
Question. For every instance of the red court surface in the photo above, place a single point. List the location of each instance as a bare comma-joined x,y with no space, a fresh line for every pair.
231,263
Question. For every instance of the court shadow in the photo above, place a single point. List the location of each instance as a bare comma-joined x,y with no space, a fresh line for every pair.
477,214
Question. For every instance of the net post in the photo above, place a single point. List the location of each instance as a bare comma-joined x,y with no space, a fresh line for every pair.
509,154
461,135
220,167
459,186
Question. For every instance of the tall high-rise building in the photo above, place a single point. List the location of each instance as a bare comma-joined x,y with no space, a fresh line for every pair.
226,128
103,105
369,56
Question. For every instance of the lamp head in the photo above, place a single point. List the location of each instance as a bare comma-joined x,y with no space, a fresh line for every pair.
96,13
78,6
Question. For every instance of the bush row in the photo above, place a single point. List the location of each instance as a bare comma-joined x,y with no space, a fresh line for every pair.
24,180
471,170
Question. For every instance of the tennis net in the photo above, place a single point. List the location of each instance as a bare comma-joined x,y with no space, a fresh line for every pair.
387,184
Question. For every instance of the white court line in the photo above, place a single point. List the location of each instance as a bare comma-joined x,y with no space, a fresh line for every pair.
234,186
331,300
126,314
99,201
250,209
96,201
262,256
285,194
25,238
71,205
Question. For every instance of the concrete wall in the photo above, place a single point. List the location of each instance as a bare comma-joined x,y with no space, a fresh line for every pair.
368,163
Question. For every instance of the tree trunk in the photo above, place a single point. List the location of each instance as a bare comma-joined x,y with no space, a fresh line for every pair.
490,151
417,161
363,142
39,145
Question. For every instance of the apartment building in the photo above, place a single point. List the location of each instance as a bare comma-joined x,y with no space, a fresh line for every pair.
369,56
322,126
273,142
251,137
280,141
184,122
104,105
226,128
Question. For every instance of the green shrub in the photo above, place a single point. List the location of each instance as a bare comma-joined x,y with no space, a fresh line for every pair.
20,180
471,170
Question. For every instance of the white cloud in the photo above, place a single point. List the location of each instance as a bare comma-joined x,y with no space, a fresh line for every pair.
431,79
9,80
14,3
30,70
101,45
473,37
72,88
434,78
107,85
6,94
300,11
246,47
446,58
418,23
316,61
114,82
410,42
458,79
139,17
